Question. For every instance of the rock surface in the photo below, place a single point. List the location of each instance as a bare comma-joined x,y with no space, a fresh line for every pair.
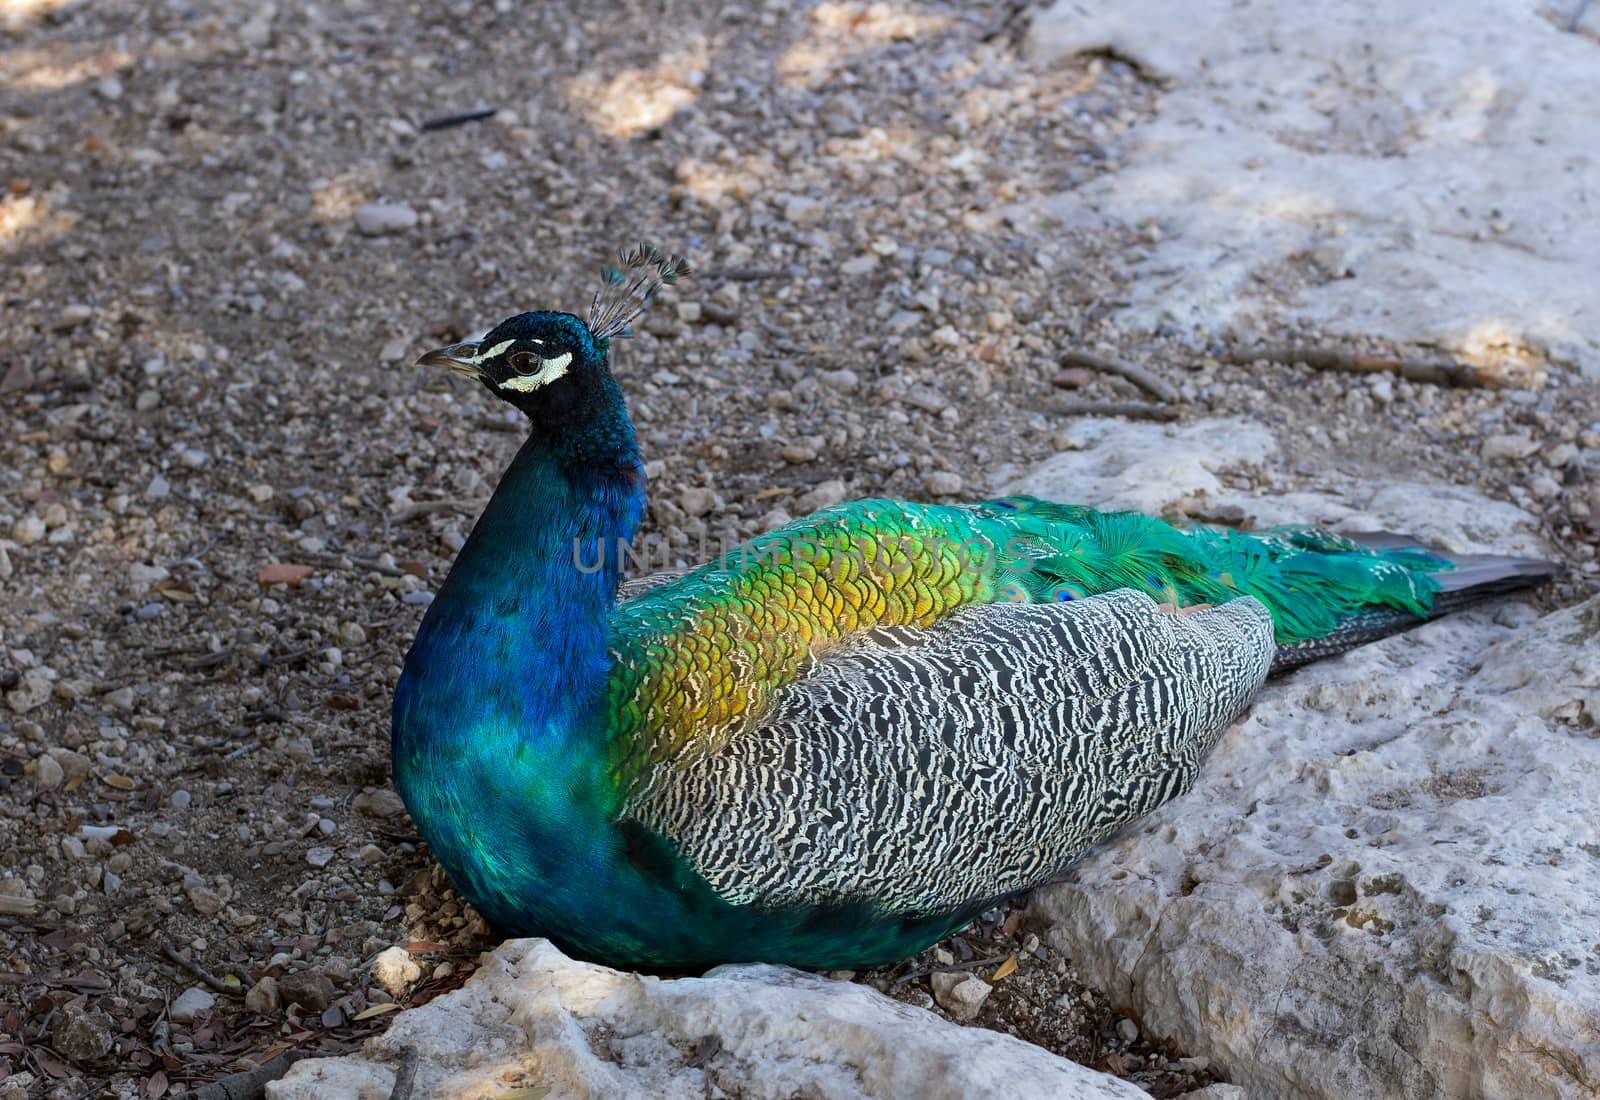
530,1017
1383,885
1432,192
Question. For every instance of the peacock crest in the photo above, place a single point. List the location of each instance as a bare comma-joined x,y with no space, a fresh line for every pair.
628,289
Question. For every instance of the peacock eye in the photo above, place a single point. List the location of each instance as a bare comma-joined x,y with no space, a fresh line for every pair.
525,362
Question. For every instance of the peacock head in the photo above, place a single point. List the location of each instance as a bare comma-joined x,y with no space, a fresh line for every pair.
553,366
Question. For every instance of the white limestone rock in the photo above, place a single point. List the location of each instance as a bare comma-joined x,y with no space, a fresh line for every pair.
1436,191
532,1017
1384,884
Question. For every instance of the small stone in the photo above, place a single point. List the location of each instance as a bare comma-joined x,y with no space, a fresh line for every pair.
379,219
961,995
193,1002
310,989
32,691
1382,389
845,381
417,599
256,33
260,493
1560,456
108,88
28,530
998,320
147,400
205,900
143,576
371,854
825,495
697,501
395,971
1127,1030
902,321
71,317
48,773
797,453
1545,488
74,764
689,312
194,457
81,1034
804,211
319,856
180,799
942,483
159,488
1508,447
858,265
395,349
263,997
352,635
378,802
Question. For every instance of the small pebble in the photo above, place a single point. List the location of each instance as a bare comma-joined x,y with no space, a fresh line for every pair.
380,219
395,970
961,995
192,1003
28,530
942,483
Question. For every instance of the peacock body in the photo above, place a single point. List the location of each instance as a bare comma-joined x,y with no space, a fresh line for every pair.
846,738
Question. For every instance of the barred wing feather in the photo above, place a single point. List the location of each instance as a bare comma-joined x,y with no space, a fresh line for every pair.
926,767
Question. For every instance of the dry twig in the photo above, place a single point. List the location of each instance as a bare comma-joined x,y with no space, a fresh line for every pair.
248,1085
1133,410
406,1078
1437,372
210,980
953,968
1150,383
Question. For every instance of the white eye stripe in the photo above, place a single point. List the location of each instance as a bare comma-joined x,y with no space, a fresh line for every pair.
484,356
550,370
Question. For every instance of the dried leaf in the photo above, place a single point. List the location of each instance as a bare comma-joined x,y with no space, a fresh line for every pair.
178,593
155,1086
425,947
283,573
51,1066
120,782
1005,969
375,1010
529,1092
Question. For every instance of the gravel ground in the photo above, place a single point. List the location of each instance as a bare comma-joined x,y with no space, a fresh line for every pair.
226,495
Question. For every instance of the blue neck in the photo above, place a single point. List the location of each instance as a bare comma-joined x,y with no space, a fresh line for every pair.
519,626
494,751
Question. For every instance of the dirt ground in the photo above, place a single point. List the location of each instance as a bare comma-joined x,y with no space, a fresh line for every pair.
226,494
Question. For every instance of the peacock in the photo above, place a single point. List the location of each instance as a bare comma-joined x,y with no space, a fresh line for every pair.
843,740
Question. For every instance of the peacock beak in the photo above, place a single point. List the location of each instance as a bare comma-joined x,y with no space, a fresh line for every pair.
461,358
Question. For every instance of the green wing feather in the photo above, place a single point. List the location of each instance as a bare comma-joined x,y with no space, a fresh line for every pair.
694,661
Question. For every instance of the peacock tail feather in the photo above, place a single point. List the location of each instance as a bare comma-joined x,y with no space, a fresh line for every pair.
699,660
